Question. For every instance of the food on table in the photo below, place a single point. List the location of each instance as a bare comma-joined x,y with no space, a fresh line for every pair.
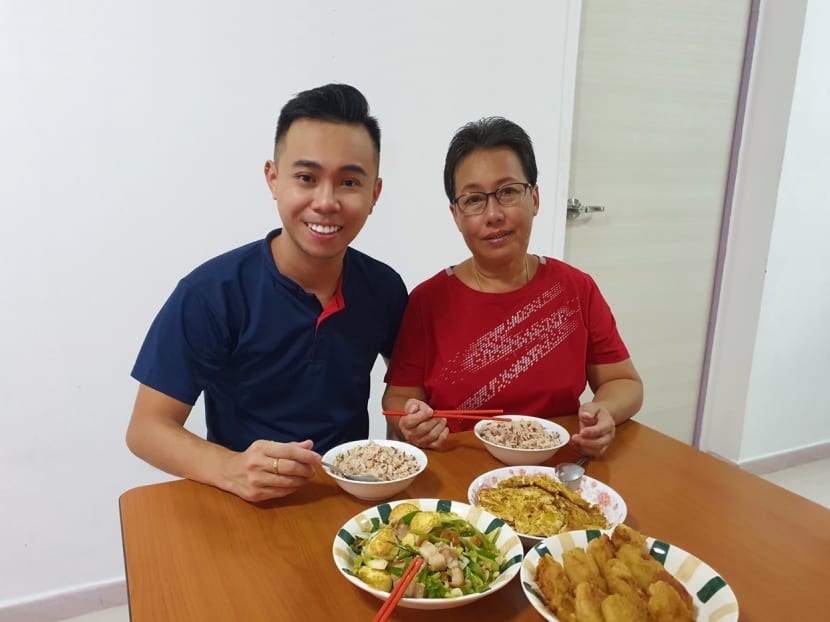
519,434
458,558
613,580
384,462
538,505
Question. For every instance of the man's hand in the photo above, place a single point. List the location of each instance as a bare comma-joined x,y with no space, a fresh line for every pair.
269,470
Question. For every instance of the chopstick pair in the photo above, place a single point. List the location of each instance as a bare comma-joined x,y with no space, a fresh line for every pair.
454,414
399,590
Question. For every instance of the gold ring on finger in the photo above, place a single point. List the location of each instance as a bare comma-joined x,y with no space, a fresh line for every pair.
276,466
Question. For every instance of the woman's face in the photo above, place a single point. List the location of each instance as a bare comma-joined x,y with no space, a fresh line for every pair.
499,234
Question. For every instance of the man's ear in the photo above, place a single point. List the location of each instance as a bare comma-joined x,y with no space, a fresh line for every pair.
271,177
376,193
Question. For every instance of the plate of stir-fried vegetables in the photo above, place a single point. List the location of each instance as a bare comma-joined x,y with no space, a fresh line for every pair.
468,553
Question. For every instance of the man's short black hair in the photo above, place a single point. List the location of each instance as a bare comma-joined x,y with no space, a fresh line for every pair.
488,133
337,103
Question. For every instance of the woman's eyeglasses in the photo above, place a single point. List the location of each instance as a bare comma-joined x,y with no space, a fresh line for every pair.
474,203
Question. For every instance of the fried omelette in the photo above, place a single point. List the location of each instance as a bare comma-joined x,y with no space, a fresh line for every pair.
536,505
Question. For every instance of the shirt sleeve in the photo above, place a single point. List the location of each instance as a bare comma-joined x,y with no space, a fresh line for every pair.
605,345
408,365
186,345
398,301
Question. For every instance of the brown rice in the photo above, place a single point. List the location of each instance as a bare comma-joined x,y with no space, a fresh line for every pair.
519,434
387,463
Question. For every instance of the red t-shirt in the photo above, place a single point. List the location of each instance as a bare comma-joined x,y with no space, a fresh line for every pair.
524,351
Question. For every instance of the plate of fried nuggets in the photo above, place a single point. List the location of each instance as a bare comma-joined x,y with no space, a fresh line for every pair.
622,576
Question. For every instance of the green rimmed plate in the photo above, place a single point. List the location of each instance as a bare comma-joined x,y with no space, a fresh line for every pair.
507,542
714,599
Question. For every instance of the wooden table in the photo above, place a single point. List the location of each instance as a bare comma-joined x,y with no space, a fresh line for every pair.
193,552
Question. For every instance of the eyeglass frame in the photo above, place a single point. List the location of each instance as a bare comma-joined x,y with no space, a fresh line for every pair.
495,194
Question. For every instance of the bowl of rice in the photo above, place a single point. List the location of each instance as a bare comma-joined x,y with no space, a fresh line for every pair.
520,439
395,463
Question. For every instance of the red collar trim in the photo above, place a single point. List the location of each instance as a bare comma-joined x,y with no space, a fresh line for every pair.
335,304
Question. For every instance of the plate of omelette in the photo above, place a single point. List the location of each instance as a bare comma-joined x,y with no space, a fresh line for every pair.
536,505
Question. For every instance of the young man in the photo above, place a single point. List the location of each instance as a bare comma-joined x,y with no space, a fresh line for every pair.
281,334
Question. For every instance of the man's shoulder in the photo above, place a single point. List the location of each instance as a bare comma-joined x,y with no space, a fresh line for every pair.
361,262
229,265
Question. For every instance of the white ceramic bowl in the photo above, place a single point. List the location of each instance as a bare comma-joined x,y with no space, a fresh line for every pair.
373,491
507,542
593,491
512,456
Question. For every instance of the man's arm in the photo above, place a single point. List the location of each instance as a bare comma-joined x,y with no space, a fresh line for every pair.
265,470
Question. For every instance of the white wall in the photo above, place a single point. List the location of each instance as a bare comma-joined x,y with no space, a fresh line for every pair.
132,140
787,403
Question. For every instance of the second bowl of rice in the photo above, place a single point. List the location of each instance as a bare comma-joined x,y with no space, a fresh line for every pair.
396,463
521,439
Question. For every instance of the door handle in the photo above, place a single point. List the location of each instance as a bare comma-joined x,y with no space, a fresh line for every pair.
576,209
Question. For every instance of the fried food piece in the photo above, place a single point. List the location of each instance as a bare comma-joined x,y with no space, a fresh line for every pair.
623,534
616,608
665,605
601,549
666,577
642,565
589,603
621,581
581,567
401,510
556,588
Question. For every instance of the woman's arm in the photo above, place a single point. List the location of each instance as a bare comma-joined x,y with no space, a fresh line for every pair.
618,395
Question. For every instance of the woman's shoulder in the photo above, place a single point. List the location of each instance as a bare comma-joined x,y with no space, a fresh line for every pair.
561,270
438,282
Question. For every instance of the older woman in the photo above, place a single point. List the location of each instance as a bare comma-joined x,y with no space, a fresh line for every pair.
505,329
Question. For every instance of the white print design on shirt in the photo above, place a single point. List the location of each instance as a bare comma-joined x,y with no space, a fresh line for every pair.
536,339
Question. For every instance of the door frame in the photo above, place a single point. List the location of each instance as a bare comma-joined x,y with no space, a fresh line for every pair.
773,46
745,241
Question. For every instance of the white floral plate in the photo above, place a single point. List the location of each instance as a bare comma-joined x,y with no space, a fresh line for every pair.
592,490
714,599
507,542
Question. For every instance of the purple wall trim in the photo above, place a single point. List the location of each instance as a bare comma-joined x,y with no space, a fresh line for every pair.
737,135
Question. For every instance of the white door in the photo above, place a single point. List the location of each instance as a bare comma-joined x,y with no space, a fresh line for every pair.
656,98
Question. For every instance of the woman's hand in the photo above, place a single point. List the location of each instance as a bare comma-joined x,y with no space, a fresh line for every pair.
269,470
420,428
596,430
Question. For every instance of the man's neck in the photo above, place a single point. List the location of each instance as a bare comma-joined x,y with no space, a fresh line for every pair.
318,276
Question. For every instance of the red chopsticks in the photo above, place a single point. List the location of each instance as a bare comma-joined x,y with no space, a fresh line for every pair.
397,593
454,414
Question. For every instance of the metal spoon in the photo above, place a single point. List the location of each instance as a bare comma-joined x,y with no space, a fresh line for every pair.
356,478
570,473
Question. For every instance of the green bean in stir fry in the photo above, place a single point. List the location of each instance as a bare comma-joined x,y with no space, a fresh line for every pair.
458,558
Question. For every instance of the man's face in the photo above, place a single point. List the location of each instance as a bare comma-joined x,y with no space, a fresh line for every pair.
325,184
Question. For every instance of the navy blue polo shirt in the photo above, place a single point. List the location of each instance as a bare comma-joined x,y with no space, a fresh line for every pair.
271,364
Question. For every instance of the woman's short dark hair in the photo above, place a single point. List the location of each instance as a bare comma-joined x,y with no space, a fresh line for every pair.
337,103
488,133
